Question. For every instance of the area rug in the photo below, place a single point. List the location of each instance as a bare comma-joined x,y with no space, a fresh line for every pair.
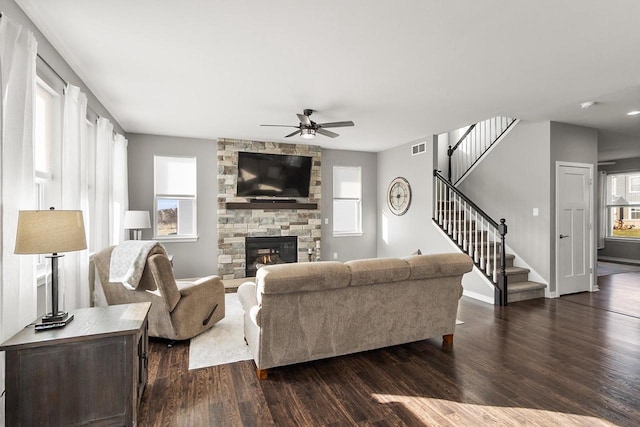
224,343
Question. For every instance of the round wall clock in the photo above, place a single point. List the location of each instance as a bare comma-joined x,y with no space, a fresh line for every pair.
399,196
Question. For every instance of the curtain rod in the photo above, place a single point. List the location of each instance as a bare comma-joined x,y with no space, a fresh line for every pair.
53,70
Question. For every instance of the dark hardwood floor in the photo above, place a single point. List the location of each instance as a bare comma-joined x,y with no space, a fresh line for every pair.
543,362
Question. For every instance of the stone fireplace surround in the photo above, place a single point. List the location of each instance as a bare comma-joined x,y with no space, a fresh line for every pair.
235,224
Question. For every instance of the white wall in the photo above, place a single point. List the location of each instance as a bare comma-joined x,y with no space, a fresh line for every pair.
191,259
350,247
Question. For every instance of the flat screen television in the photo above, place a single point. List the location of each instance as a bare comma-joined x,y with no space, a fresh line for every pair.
273,175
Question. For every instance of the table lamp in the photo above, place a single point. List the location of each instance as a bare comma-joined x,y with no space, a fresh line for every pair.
51,232
136,221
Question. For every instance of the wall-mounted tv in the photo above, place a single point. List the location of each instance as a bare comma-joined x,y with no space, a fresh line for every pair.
273,175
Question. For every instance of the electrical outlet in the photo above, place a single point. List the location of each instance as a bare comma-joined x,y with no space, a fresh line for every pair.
335,255
326,221
535,211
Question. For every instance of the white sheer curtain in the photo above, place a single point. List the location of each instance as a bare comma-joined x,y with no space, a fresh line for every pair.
111,192
75,188
120,188
103,189
18,50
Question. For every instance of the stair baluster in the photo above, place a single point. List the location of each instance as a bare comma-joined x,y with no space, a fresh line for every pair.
458,208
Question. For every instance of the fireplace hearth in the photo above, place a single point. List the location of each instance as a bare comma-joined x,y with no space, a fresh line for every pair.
261,251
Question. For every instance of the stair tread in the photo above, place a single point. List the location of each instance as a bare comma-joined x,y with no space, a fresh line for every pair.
516,270
525,286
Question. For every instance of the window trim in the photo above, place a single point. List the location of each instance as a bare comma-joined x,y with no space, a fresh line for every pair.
178,238
350,233
614,180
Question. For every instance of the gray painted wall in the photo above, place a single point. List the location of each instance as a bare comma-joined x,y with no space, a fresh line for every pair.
399,236
577,144
350,247
616,248
614,146
512,181
191,259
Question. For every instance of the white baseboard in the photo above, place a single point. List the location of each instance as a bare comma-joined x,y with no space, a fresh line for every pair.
622,260
477,296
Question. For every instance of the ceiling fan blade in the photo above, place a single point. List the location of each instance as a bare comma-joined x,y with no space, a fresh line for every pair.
327,133
305,120
282,126
335,124
292,133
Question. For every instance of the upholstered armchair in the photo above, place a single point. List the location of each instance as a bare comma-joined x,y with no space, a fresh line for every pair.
179,309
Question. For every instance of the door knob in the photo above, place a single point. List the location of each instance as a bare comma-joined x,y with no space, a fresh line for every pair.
562,236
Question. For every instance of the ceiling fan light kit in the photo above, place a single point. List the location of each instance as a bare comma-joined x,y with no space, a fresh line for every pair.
307,128
307,133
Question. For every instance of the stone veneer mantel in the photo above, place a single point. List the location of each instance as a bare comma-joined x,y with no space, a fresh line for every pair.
238,218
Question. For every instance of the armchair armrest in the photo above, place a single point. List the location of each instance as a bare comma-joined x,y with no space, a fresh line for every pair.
198,287
201,303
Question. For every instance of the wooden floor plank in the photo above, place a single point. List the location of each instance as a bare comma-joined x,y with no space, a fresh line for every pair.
569,361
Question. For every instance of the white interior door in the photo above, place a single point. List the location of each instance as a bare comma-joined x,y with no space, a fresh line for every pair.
573,228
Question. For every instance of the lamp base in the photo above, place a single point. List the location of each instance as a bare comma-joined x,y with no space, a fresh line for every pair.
53,324
61,316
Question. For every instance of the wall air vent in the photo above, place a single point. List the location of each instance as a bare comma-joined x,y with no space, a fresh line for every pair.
418,148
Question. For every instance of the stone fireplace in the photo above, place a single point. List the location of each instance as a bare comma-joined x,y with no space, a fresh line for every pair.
261,251
238,219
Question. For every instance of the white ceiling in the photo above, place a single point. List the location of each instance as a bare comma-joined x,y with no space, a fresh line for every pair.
400,70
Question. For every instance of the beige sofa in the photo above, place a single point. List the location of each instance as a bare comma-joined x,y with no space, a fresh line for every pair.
307,311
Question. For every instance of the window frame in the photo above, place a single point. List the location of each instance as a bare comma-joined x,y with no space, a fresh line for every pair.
617,195
158,196
357,202
47,182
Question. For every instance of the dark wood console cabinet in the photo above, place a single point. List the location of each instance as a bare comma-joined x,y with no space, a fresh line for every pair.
92,371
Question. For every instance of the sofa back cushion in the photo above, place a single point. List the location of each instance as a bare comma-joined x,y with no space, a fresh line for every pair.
302,277
378,270
438,265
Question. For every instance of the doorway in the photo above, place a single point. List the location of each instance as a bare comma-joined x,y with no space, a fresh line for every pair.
574,228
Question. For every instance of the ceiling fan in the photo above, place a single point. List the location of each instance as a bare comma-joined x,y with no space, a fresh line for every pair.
307,128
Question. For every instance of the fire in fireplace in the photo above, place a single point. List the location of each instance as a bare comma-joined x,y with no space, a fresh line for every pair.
261,251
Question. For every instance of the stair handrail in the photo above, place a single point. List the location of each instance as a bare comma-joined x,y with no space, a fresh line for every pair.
451,149
452,229
485,134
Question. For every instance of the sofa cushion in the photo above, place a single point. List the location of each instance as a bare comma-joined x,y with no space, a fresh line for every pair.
302,277
378,270
438,265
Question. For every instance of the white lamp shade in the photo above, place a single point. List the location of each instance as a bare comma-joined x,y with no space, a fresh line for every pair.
50,231
136,220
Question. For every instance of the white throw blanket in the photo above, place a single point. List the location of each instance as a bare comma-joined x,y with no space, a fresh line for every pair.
128,260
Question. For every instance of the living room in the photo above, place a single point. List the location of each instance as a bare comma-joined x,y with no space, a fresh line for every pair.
542,79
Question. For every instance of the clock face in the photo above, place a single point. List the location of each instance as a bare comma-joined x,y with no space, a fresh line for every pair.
399,196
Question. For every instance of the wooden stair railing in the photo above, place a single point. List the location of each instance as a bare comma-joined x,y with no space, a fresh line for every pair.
474,232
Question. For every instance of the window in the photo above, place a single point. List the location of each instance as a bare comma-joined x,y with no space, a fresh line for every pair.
175,181
47,114
347,201
623,205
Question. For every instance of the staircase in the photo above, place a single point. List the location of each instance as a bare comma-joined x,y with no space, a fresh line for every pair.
477,234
